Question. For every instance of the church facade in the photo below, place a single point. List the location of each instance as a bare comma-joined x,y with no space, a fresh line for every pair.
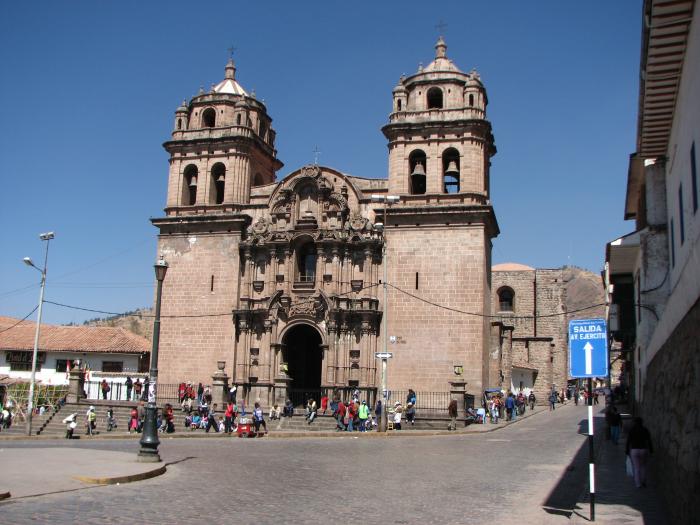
279,281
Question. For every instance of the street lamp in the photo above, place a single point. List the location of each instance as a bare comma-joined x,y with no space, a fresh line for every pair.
388,200
28,261
149,439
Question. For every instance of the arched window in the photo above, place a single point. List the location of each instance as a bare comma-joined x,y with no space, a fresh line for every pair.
506,299
258,180
218,183
209,118
398,105
238,119
179,123
471,100
434,98
263,129
450,170
416,164
189,191
306,262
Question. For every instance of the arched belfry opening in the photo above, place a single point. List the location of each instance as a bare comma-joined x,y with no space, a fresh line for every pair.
434,96
303,355
218,183
209,118
416,164
189,189
450,171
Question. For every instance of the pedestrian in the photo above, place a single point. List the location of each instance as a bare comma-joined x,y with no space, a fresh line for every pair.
211,419
411,414
510,407
552,399
311,411
324,404
200,393
363,415
259,418
169,419
411,397
398,412
520,403
129,387
615,425
532,399
105,388
350,414
378,412
639,448
71,423
577,394
90,421
452,412
141,412
137,389
340,416
111,422
228,418
146,389
133,420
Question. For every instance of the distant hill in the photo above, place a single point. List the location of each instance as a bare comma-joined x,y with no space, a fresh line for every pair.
137,322
583,289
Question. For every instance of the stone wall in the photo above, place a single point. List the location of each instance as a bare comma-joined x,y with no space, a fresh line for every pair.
670,411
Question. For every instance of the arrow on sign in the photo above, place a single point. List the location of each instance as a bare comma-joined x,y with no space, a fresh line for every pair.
588,348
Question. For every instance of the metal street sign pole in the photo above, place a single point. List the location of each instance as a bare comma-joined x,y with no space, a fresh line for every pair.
588,358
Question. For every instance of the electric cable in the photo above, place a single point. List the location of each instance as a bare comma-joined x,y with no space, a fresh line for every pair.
20,321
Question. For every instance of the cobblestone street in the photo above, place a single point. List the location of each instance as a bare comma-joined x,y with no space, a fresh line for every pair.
479,478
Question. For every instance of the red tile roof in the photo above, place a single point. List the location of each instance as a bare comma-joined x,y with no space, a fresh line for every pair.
71,338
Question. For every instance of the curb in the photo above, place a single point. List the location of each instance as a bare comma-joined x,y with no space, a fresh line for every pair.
123,479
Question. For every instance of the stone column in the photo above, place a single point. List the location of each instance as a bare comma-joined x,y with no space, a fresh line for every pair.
219,388
457,391
76,382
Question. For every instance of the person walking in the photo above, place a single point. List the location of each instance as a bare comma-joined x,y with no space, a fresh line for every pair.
228,418
363,414
378,412
411,414
531,399
340,416
200,393
510,407
552,400
259,418
105,388
639,448
129,387
91,421
452,412
211,419
615,424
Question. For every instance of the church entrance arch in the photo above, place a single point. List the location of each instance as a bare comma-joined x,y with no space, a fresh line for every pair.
302,352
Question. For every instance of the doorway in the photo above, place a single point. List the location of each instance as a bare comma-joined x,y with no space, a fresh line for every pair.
303,354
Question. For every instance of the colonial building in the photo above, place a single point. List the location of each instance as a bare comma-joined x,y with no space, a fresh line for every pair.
279,282
529,347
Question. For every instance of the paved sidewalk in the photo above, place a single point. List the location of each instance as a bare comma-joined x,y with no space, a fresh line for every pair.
617,500
39,471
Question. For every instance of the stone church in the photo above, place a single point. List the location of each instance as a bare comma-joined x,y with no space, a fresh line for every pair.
277,278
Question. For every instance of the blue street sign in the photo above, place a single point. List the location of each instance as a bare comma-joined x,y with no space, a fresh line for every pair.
588,348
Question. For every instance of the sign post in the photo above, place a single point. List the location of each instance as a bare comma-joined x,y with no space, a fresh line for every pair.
588,358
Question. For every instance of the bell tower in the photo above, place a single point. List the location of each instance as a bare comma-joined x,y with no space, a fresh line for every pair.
438,236
222,145
439,139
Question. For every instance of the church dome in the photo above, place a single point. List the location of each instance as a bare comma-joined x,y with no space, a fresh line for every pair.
441,62
229,85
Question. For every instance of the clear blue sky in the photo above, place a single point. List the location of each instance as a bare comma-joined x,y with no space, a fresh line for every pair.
89,90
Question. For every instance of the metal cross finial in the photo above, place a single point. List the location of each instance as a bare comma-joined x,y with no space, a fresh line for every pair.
441,26
317,152
230,51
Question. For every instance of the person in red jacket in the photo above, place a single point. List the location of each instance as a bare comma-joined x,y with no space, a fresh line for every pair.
351,413
228,418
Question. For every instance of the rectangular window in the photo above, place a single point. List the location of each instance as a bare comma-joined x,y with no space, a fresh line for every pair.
21,361
113,366
681,224
61,365
694,178
673,245
416,280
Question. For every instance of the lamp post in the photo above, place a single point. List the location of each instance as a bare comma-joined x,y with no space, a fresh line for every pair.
149,439
387,200
28,261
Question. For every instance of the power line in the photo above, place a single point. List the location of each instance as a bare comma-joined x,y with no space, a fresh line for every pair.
20,321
